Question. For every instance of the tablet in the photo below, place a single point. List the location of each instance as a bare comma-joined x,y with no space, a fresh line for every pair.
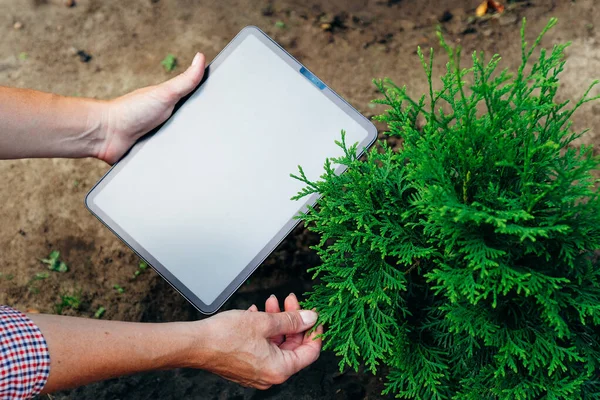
205,197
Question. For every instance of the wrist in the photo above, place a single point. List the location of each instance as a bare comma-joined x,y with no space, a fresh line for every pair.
189,346
97,126
85,128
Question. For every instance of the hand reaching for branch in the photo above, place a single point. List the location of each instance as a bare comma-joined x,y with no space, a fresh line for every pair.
256,349
260,349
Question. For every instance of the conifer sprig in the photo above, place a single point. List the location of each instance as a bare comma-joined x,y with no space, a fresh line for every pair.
464,260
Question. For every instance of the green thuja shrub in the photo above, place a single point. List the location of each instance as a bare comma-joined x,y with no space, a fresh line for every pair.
463,261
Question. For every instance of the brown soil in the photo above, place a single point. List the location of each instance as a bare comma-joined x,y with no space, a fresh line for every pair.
42,200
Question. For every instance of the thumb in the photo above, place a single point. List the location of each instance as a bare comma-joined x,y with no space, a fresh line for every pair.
175,88
289,322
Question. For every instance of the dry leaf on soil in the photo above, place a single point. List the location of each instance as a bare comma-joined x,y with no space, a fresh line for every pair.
492,5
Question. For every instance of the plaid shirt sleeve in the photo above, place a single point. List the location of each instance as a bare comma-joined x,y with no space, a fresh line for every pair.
24,356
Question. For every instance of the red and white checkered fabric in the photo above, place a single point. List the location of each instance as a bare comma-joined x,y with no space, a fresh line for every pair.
24,356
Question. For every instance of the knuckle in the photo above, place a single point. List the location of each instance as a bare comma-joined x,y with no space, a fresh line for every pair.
268,322
292,321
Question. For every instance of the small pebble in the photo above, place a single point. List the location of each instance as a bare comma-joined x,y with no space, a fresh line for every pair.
446,16
69,3
268,10
72,51
18,25
83,56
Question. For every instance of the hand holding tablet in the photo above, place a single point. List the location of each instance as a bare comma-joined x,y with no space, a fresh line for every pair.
205,197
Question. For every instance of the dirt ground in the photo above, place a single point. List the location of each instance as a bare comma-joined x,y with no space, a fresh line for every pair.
42,200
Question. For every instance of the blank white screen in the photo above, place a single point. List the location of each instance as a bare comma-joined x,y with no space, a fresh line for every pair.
207,193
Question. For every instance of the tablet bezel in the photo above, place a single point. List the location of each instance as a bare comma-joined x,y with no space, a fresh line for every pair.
282,233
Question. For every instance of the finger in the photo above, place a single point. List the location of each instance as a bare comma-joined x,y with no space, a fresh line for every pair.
253,308
314,338
272,306
307,338
294,340
285,323
185,82
291,303
305,354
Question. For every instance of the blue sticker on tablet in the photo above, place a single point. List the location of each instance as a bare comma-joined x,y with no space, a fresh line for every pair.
316,81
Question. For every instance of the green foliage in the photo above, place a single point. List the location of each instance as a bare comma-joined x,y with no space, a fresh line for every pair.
464,260
68,301
40,276
119,288
8,277
169,62
54,263
99,312
142,266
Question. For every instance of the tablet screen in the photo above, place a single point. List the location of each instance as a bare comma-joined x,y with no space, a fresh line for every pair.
212,187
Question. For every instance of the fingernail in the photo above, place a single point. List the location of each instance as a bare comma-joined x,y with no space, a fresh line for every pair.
292,294
308,317
196,59
272,296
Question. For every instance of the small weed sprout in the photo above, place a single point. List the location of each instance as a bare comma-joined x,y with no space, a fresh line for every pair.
99,312
54,263
142,266
119,288
169,62
72,301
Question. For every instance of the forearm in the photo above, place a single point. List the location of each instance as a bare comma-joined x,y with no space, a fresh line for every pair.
37,124
86,350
